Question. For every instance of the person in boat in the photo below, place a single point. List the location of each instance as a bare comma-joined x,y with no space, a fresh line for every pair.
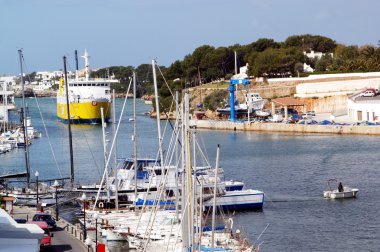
340,187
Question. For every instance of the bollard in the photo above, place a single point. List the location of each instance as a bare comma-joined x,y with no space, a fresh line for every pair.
72,230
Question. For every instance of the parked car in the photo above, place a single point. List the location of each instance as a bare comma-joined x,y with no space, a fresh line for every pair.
369,92
21,221
312,113
46,239
45,217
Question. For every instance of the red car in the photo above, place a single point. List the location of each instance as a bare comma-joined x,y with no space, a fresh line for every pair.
46,240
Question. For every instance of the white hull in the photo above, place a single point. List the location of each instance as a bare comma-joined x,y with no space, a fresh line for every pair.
110,235
335,194
235,200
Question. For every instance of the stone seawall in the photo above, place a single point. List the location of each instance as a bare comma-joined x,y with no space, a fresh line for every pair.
282,127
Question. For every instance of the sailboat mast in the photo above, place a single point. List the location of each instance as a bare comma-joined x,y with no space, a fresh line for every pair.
105,154
115,151
69,125
184,193
24,125
177,156
158,113
235,62
134,135
214,202
76,65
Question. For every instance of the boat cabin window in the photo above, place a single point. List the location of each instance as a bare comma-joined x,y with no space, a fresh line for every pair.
158,172
107,91
102,84
169,193
79,85
208,190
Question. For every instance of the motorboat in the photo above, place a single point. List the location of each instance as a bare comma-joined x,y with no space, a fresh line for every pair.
238,200
341,192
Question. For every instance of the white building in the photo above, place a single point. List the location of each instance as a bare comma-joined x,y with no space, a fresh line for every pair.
318,55
8,79
16,237
363,108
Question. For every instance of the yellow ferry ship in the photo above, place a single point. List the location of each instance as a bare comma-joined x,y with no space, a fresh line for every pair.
86,98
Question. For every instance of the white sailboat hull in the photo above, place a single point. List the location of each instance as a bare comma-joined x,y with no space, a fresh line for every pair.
239,200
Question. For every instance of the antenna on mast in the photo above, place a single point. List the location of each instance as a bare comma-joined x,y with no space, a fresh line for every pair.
86,63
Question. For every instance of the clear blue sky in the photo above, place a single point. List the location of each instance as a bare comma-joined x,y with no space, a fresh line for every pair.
127,32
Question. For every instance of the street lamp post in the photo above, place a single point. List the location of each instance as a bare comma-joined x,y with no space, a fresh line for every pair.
37,174
96,231
84,216
88,243
56,185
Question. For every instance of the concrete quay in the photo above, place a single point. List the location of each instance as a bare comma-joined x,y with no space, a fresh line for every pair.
67,237
283,127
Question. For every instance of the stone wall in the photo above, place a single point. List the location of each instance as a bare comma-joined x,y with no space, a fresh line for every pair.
282,127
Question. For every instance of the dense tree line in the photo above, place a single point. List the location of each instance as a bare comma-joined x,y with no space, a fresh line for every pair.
265,57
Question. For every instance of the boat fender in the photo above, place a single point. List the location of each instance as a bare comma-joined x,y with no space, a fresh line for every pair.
101,205
129,230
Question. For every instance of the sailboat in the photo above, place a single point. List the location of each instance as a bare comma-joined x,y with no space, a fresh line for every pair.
42,193
157,229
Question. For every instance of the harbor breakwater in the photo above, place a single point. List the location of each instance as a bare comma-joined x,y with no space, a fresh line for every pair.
283,127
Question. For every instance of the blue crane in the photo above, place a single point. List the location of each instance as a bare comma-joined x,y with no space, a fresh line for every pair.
232,95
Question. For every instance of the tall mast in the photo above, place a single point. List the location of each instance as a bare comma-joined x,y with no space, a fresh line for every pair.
105,154
69,125
177,155
134,135
214,202
158,113
76,64
184,193
24,125
235,62
115,151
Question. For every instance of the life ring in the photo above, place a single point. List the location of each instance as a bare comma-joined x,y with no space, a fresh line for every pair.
94,103
101,205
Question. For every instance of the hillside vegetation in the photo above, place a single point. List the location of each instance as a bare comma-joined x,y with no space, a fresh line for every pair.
266,58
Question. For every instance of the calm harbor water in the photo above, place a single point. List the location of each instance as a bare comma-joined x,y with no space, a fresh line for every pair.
292,169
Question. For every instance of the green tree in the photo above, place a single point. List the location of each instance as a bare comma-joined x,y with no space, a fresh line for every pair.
215,100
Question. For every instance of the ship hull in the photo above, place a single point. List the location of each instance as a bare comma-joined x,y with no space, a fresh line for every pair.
84,112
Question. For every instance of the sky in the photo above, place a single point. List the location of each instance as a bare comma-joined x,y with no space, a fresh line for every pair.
133,32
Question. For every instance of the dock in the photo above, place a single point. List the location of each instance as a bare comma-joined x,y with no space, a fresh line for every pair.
286,127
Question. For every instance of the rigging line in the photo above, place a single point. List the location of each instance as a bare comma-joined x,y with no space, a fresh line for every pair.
258,238
43,122
85,137
113,143
160,192
165,80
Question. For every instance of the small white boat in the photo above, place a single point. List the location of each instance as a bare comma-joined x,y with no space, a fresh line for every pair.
341,192
335,194
262,113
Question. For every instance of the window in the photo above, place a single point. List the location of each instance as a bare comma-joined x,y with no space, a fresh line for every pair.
359,115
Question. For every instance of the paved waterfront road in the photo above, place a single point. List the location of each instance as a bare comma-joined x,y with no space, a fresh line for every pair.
63,241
